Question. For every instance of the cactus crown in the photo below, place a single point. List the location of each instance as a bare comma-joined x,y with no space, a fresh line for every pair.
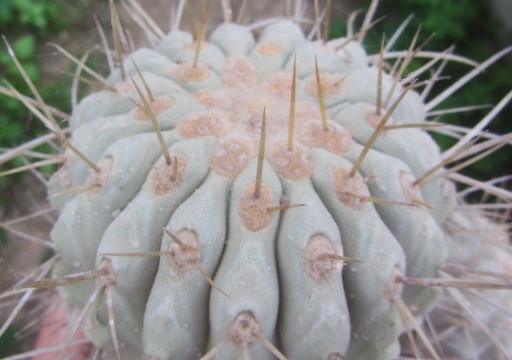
278,197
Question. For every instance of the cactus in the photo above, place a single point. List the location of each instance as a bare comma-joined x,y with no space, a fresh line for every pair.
272,196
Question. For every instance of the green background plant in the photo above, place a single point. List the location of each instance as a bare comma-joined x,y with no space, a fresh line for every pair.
477,33
27,24
45,16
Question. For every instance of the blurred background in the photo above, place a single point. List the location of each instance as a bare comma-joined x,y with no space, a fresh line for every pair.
477,28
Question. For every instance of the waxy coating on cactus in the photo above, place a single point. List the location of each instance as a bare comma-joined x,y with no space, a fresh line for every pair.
261,196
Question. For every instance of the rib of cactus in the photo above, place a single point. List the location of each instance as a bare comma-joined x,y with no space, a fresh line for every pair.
246,266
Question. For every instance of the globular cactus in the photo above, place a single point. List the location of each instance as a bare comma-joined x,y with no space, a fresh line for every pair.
271,196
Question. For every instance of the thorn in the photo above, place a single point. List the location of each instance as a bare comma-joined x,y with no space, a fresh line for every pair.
428,66
398,32
241,11
149,112
200,36
458,110
81,155
116,31
79,321
64,280
41,104
87,69
175,238
34,102
74,190
214,350
457,295
30,166
474,159
174,174
428,55
341,80
104,43
111,320
393,69
456,283
369,15
351,20
434,76
341,258
210,280
139,11
144,82
373,199
426,42
326,279
409,318
486,187
291,122
317,19
191,14
245,354
378,130
138,254
88,82
227,11
358,34
327,21
261,157
378,105
27,237
43,271
50,124
406,61
407,326
411,53
320,96
53,128
284,207
455,156
429,125
481,125
423,204
466,78
266,342
452,267
138,105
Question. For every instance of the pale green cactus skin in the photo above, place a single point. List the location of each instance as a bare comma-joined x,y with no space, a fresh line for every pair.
167,310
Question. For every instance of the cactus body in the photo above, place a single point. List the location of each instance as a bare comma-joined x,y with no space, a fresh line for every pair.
309,266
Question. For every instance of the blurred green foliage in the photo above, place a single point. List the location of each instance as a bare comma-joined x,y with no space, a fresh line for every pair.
44,16
27,24
13,111
475,31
